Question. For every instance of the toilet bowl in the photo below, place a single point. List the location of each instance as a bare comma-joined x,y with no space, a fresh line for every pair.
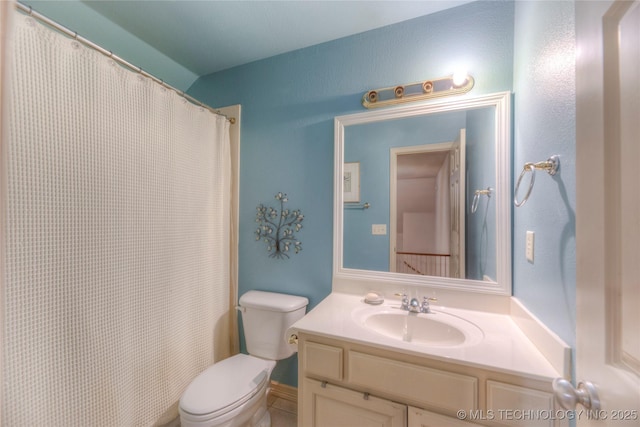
233,392
228,393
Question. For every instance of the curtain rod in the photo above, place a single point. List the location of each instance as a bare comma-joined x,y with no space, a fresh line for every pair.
29,11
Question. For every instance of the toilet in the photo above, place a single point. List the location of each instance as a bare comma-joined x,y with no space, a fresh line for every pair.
233,392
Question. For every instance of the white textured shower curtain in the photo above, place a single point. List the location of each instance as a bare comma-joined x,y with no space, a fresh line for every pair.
116,237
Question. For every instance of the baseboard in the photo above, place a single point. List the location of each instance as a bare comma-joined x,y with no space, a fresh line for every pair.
284,391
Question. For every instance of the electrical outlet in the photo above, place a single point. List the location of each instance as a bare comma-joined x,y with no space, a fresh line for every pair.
530,246
378,229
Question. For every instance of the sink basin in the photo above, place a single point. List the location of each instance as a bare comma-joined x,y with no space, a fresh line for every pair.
437,329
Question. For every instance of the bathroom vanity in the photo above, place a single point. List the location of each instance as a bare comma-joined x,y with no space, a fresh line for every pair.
352,371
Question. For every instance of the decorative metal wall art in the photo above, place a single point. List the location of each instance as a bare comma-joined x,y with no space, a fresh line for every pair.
277,228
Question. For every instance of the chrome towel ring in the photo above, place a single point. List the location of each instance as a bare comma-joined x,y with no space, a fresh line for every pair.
476,198
551,165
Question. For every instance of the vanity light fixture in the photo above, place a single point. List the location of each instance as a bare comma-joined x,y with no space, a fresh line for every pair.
455,84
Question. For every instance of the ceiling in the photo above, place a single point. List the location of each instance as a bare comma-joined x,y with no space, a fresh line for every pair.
421,165
209,36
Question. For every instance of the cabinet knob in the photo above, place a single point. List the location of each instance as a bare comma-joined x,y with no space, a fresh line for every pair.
293,339
568,396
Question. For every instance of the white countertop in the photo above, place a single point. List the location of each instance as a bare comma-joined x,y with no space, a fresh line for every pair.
503,348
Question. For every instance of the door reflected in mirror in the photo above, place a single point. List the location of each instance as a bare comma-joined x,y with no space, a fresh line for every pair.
420,237
419,170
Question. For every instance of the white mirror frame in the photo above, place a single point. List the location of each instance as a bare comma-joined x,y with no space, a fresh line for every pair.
502,286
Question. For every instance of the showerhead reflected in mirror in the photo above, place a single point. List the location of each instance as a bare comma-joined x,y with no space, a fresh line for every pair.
419,169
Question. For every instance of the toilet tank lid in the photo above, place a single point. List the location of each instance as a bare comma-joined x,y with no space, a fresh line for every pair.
273,301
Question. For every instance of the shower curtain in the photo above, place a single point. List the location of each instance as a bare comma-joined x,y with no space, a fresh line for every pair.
116,271
6,12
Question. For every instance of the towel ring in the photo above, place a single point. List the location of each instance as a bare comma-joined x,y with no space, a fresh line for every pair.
551,165
476,198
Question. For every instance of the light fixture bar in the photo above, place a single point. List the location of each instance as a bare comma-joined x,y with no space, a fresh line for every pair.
417,91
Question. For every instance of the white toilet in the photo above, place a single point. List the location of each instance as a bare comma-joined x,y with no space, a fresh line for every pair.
233,392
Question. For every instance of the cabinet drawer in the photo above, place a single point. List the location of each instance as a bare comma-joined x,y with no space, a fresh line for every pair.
413,383
322,360
519,406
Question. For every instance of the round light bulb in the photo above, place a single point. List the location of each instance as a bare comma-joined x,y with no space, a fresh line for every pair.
459,78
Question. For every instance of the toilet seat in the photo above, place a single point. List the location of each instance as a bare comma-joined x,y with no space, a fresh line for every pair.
226,385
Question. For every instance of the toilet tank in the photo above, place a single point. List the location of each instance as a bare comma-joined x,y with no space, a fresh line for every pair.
266,316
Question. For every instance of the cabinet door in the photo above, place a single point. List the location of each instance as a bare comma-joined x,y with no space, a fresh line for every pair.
332,406
515,406
421,418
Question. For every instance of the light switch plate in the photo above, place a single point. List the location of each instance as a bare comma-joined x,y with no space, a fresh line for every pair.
530,246
378,229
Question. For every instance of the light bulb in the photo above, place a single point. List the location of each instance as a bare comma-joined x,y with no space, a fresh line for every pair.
459,78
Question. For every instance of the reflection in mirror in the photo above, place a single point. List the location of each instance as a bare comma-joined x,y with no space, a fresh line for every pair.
419,169
414,172
420,236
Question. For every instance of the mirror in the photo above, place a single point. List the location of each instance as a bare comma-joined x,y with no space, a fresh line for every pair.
435,179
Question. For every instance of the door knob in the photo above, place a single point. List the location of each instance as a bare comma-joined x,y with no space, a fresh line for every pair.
569,396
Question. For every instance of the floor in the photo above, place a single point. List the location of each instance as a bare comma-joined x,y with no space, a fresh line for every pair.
284,413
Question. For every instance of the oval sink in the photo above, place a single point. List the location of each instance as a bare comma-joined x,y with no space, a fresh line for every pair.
436,329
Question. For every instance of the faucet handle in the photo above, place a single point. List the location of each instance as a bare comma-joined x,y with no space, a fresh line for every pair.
405,300
425,308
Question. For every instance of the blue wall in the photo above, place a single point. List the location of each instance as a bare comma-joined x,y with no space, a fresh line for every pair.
544,87
288,105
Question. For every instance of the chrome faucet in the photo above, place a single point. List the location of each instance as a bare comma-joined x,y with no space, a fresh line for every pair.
414,306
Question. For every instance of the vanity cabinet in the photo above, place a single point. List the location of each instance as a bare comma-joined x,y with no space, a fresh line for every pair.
342,383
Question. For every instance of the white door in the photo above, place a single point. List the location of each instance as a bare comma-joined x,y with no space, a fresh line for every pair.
608,209
457,198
